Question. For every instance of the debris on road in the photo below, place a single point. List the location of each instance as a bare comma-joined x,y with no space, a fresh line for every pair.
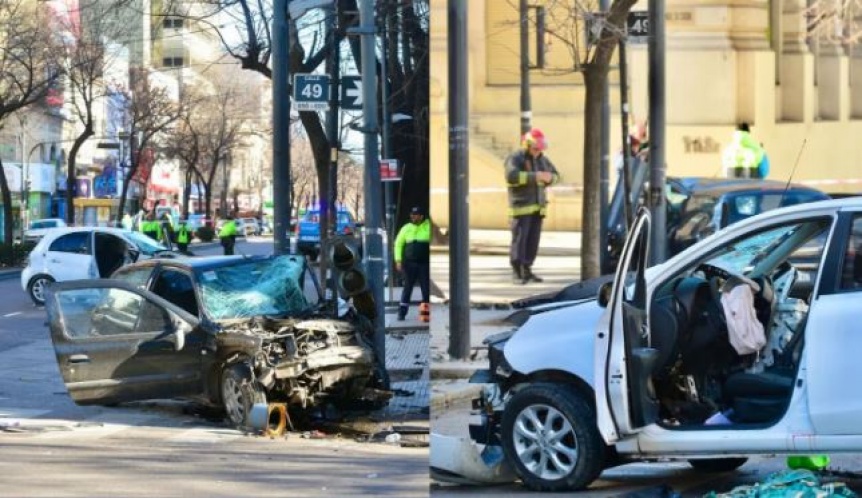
459,461
789,483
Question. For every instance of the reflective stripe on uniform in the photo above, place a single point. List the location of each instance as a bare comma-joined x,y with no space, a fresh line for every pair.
525,210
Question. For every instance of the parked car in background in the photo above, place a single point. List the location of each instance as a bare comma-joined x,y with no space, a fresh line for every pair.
652,369
698,207
251,226
308,230
235,331
74,253
38,228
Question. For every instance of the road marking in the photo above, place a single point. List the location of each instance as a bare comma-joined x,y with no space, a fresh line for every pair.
7,315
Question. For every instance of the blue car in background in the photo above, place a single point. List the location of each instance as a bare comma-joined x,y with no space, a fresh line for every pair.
308,230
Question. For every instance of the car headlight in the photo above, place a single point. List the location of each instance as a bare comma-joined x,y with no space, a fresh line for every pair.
498,365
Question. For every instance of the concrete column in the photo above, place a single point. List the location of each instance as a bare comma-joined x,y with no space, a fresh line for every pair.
797,102
855,70
833,90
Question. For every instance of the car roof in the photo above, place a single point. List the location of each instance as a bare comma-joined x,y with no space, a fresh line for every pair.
720,186
67,229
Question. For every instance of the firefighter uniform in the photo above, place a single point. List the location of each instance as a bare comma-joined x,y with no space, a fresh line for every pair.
413,255
527,202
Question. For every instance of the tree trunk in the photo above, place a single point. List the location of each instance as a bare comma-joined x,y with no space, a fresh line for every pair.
8,234
133,168
70,172
595,79
187,193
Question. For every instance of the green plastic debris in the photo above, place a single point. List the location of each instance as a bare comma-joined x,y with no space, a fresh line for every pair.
789,484
808,462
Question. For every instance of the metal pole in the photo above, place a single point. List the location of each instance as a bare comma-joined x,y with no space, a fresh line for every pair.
459,214
604,167
657,130
280,128
627,144
387,152
333,63
373,207
526,111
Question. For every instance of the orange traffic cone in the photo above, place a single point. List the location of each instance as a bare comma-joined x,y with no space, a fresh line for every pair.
424,312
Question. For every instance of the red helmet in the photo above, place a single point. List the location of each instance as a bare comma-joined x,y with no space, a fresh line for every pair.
535,138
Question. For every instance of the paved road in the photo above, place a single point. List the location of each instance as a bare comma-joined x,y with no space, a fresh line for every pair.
51,447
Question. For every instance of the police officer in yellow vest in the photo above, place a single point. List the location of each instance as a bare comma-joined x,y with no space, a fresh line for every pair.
742,157
183,236
150,227
227,235
413,255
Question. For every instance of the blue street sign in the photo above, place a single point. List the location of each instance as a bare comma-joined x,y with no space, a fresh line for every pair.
311,92
351,93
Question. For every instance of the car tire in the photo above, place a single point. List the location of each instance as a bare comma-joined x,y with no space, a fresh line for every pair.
239,392
36,288
569,460
717,465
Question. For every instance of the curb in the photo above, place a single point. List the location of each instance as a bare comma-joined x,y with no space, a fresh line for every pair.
452,373
443,401
10,274
488,250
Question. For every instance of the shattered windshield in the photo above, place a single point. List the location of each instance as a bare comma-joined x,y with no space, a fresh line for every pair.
254,288
144,243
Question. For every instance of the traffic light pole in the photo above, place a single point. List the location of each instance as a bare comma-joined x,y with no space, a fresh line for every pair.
280,127
526,105
373,207
332,133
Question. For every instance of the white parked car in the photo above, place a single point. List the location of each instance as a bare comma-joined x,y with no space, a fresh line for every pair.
656,367
38,228
74,253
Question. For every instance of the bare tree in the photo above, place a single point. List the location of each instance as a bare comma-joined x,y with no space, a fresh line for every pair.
303,176
27,72
152,112
591,37
86,61
184,144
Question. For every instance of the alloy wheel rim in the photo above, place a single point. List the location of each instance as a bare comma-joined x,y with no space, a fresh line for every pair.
232,397
39,289
545,442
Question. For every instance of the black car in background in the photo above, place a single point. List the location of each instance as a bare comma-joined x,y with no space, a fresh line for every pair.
698,207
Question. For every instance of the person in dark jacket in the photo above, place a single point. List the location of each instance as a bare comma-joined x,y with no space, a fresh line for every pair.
528,174
413,256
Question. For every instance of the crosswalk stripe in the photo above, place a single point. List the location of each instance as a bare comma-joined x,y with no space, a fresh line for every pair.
205,435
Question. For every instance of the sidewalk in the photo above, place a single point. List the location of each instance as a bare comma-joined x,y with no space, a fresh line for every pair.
491,292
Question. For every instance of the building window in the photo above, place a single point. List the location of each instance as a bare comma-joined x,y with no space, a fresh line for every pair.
172,62
172,23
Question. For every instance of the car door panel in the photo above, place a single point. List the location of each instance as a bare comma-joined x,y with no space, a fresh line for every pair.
623,362
115,342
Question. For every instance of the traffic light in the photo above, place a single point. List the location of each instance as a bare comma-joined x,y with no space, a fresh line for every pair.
351,279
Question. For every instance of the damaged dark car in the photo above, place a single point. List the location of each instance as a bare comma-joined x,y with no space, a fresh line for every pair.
232,331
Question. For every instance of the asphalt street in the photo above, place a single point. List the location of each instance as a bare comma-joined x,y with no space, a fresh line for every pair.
51,447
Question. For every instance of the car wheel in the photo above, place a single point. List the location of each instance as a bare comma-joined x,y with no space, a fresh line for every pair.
550,436
716,465
36,288
239,392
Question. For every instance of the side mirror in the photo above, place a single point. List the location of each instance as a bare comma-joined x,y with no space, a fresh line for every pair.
605,293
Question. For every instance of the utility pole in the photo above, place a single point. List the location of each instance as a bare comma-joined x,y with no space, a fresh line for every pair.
459,208
657,202
604,165
526,111
373,209
387,148
330,211
280,127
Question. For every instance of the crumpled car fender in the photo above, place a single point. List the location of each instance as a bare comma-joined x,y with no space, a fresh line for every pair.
561,339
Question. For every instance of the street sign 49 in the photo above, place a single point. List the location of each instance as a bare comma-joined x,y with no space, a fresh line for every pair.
311,92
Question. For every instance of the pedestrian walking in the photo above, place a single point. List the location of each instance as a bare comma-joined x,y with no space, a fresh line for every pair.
183,236
528,174
413,256
227,235
744,157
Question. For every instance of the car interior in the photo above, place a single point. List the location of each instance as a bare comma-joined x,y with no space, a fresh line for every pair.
699,377
111,253
177,288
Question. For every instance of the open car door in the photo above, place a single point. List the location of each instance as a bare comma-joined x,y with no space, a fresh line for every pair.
115,342
624,361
